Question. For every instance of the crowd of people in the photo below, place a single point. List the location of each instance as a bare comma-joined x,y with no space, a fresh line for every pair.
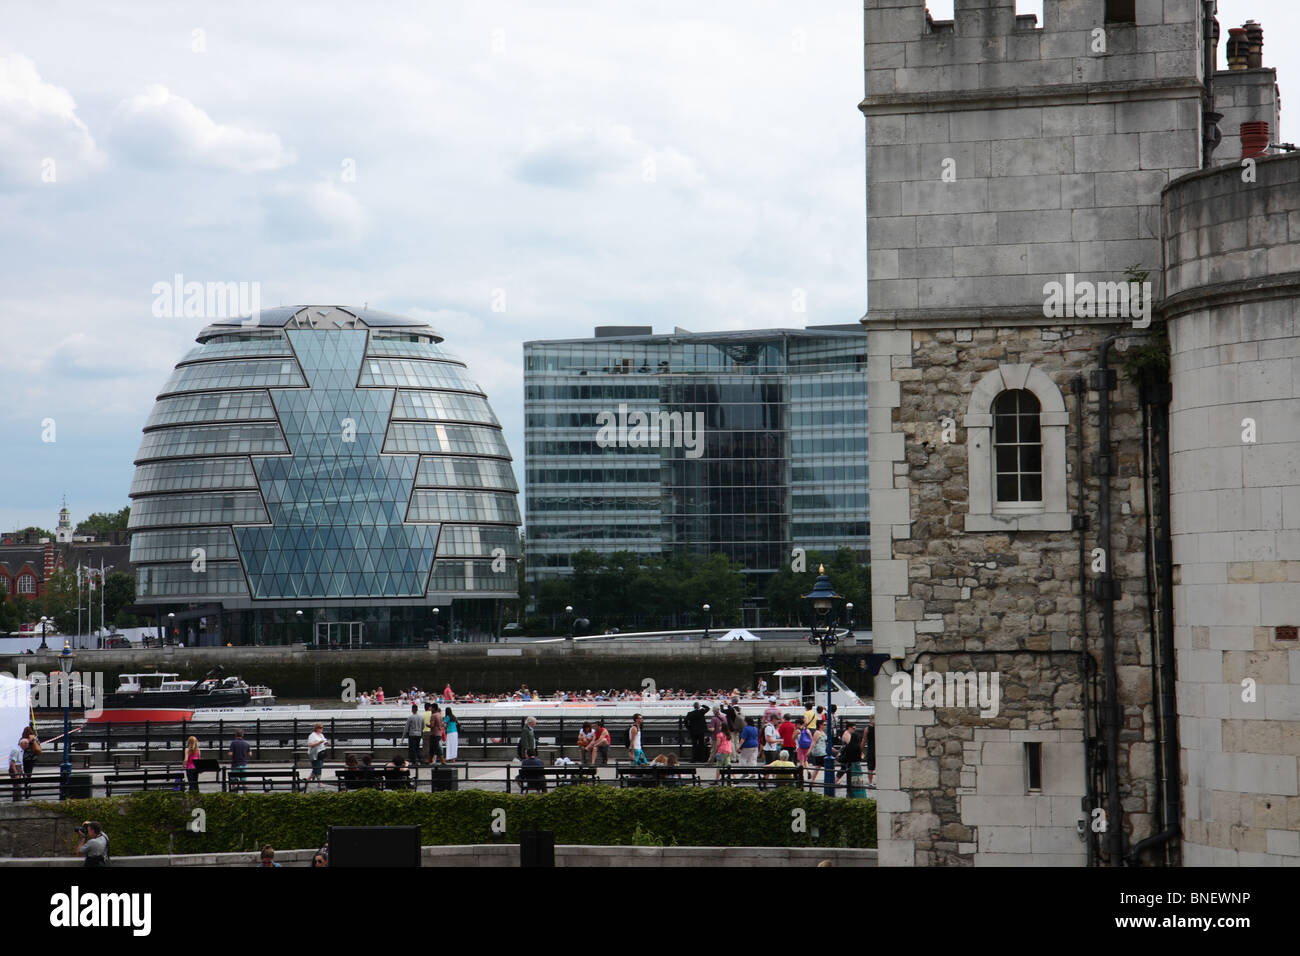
416,695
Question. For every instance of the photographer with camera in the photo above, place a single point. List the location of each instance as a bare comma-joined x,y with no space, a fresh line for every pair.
94,843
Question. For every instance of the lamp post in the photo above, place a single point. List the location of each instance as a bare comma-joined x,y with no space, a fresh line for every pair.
298,616
573,621
848,613
708,622
65,669
823,599
45,623
436,612
171,627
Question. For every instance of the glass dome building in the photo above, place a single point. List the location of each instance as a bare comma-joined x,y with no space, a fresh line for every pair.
331,461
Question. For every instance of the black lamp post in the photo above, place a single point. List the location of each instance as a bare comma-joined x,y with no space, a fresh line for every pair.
298,617
171,627
573,621
436,613
708,621
823,600
45,623
65,669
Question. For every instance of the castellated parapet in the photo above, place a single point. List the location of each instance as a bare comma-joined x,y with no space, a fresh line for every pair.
1001,155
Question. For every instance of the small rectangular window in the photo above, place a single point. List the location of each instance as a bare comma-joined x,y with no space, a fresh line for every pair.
1121,11
1034,767
939,9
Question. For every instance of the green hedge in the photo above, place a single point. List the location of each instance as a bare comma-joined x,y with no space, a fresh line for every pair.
157,823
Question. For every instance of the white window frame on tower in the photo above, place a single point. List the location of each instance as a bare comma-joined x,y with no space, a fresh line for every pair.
984,513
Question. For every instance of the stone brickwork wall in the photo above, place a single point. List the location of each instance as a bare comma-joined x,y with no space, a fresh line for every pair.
1233,273
951,599
1059,152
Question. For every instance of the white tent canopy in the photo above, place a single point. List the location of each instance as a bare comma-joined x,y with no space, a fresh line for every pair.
15,711
739,634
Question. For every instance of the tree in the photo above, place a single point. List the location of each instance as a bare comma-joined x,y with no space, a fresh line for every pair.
785,589
119,593
60,601
102,522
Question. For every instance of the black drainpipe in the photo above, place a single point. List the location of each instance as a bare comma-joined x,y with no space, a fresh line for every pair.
1149,575
1087,665
1106,591
1159,397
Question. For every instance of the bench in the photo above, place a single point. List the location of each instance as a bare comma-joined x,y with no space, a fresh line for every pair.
656,775
35,787
536,778
144,780
375,778
763,776
243,779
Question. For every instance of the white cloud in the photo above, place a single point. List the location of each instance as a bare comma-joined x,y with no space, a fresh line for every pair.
578,156
40,133
319,211
158,128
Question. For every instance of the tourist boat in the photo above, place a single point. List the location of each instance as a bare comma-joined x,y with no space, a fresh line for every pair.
790,691
160,696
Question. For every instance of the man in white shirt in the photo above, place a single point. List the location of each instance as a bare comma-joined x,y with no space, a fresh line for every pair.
771,741
316,744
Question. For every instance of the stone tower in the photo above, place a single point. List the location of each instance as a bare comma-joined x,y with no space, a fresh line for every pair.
1014,174
63,533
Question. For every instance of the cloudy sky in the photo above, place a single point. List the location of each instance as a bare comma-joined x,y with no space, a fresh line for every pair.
669,164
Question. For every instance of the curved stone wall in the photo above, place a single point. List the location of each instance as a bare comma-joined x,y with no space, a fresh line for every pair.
1232,276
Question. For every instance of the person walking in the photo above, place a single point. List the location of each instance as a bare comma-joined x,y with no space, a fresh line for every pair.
749,744
634,742
414,731
316,744
452,730
817,753
437,728
697,728
771,740
528,736
851,763
192,754
722,749
239,750
804,741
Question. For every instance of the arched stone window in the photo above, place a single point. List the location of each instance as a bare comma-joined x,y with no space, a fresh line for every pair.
1015,452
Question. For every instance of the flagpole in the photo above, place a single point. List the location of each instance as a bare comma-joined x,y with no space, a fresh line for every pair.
101,595
78,603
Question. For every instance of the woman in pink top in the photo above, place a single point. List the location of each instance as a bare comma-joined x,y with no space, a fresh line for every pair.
192,755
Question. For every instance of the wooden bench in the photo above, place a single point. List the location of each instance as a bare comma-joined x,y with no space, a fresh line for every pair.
246,778
35,787
656,775
376,778
536,778
168,778
762,776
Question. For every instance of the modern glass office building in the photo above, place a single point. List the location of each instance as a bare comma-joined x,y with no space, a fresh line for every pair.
745,443
327,475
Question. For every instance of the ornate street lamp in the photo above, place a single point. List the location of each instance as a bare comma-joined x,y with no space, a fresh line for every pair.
823,600
573,621
45,623
65,669
709,621
436,612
